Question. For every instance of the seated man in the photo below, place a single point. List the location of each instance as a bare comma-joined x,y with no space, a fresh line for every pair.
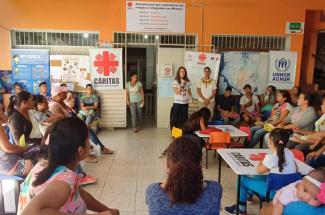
226,106
88,106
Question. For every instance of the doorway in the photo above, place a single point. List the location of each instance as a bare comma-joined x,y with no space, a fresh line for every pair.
319,72
142,60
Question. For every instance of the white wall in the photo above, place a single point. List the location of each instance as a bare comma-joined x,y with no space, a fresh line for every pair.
173,56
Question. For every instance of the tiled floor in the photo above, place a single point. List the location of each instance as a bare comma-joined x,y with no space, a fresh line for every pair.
124,176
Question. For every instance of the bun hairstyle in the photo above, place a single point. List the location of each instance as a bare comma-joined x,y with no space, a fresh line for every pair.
280,137
185,180
16,100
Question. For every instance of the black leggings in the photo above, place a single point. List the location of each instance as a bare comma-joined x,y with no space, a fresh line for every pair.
179,115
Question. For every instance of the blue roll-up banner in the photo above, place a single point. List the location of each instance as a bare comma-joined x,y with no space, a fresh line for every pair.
30,67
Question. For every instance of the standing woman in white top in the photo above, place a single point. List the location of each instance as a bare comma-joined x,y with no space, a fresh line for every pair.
206,90
135,99
182,95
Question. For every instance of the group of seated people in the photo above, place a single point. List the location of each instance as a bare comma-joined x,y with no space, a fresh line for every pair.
27,119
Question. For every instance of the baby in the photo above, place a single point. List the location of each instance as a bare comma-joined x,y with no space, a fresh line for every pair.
310,190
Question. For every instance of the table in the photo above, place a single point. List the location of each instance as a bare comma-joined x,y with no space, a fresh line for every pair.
234,132
241,164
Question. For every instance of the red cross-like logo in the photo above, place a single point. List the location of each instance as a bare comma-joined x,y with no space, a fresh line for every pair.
130,4
202,57
106,63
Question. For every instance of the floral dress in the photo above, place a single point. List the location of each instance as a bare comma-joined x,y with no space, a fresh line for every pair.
74,204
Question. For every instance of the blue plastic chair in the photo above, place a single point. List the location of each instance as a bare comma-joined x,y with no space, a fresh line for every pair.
276,181
6,209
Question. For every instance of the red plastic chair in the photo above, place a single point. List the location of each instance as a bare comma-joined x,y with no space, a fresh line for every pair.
247,130
299,155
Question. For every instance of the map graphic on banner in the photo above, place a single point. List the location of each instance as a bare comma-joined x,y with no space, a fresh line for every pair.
30,67
195,63
238,69
106,68
282,71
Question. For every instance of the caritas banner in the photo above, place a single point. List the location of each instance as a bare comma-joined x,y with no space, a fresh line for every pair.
106,69
282,71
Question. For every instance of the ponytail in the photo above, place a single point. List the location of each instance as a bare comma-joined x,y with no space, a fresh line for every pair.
11,106
280,137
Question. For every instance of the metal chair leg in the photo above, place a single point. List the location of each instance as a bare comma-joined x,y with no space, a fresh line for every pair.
206,158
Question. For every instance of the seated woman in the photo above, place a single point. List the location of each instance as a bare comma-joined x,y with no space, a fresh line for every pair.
296,90
67,144
304,139
12,161
280,160
184,192
280,112
70,101
249,104
57,106
317,158
43,116
307,190
267,101
198,121
88,106
19,122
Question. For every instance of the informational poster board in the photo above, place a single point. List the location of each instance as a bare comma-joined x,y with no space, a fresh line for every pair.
282,69
6,78
195,62
73,70
106,68
241,68
30,67
142,16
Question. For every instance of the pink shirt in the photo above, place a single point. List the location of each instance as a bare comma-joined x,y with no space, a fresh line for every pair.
287,194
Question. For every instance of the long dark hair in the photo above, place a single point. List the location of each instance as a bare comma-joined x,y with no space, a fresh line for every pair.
280,137
286,94
193,122
206,114
185,180
178,77
298,89
65,137
16,100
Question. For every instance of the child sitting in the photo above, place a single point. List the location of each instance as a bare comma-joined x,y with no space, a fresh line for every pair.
43,115
310,190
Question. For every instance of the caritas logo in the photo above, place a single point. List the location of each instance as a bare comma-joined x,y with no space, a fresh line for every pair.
106,64
130,4
202,57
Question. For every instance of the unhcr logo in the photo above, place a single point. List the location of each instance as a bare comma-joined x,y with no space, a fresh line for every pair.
282,64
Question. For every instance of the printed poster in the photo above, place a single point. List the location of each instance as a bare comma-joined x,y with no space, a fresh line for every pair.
106,68
195,62
30,67
142,16
282,69
69,68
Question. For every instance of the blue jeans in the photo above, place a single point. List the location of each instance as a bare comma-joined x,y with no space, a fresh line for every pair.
318,162
136,114
257,134
254,183
93,137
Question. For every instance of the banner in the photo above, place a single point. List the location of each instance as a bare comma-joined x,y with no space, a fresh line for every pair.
6,78
155,16
30,67
74,70
240,68
195,63
282,69
106,68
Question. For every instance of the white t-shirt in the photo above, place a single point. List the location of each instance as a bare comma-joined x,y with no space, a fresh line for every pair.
244,100
183,97
206,88
271,162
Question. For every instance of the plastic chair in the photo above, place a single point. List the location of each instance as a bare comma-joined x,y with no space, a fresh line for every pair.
9,192
176,132
299,155
247,130
276,181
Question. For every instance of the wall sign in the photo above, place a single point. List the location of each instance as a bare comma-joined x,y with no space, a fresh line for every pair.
106,68
155,16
